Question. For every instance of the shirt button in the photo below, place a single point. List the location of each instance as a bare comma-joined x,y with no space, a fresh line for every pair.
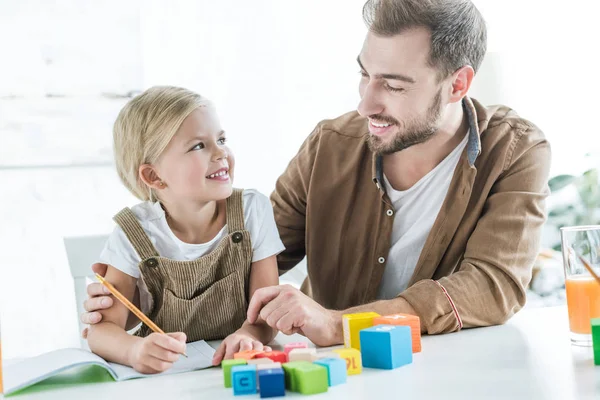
389,213
381,260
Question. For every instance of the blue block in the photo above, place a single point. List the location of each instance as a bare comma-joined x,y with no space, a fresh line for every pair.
243,378
336,370
386,346
271,382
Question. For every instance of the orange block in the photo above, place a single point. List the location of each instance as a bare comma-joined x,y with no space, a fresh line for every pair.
247,354
405,320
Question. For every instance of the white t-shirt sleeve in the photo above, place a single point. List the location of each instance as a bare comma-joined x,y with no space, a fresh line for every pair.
119,253
260,222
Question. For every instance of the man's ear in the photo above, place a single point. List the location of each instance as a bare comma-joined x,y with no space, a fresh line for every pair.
149,176
461,83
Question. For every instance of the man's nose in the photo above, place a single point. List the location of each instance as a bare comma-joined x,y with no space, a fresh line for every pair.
370,103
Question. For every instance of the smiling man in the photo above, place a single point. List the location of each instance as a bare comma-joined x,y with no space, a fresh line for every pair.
423,201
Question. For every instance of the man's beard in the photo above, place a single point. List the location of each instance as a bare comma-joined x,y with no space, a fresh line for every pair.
416,132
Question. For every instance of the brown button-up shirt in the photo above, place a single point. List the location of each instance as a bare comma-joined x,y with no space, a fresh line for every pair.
330,205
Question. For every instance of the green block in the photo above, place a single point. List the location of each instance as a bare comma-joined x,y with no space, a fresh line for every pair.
227,365
289,370
311,379
596,357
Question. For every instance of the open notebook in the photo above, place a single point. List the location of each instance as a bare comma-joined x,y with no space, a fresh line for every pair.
33,370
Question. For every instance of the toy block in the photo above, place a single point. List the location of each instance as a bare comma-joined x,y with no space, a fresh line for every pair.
291,346
311,379
596,339
244,379
290,375
353,360
405,320
353,324
247,354
226,365
273,365
271,382
386,346
257,361
336,370
326,354
303,355
275,356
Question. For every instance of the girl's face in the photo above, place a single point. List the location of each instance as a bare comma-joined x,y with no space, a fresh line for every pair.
197,165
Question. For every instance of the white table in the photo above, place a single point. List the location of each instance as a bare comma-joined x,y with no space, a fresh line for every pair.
528,358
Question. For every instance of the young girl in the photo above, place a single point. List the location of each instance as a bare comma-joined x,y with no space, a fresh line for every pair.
196,248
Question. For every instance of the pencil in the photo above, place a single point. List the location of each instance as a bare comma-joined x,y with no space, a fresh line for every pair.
589,268
131,307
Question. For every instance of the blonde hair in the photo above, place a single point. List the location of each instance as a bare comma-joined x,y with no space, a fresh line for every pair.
144,128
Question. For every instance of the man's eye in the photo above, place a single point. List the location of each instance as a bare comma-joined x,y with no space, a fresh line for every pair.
393,89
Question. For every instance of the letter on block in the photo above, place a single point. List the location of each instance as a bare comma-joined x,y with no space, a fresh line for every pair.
244,379
226,365
336,370
311,379
275,356
291,346
353,324
386,346
271,382
596,339
353,360
405,320
303,355
289,369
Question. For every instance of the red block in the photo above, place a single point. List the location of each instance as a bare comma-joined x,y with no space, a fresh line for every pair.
275,356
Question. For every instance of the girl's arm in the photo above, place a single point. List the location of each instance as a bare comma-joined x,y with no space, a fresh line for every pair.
108,339
263,273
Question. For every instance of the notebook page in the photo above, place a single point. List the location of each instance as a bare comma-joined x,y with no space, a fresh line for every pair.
32,370
199,353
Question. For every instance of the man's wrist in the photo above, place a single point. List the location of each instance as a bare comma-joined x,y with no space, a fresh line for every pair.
337,327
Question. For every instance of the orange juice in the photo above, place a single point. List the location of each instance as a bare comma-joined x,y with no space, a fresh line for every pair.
583,302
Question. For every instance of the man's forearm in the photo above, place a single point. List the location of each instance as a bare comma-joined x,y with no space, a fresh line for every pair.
382,307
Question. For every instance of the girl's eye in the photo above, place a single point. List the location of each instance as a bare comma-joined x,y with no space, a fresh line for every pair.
222,140
199,146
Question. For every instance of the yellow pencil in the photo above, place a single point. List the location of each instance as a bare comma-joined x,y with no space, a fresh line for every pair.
131,307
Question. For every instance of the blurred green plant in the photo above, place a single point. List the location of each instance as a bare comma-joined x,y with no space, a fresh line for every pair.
584,211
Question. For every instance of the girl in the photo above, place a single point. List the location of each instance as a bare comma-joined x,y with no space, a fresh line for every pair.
196,248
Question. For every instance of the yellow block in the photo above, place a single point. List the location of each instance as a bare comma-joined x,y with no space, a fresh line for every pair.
353,360
353,324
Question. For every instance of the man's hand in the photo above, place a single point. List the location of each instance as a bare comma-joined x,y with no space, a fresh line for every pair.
99,299
291,311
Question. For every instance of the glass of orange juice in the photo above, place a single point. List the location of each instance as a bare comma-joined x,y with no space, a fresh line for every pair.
583,291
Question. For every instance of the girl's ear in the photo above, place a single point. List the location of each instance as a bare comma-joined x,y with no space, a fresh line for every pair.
149,176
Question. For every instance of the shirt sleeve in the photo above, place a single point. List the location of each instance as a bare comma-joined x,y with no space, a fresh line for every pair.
262,228
119,253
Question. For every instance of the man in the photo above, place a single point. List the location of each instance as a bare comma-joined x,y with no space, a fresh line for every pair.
422,202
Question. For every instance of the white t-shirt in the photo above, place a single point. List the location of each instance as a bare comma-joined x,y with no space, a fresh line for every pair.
415,212
258,219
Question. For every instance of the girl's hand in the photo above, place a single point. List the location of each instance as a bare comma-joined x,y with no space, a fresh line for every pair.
157,352
236,342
